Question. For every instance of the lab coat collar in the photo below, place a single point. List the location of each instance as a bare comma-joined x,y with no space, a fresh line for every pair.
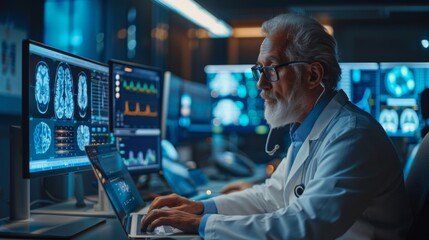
321,123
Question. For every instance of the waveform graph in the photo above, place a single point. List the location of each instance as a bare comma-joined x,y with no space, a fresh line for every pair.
137,111
139,86
136,101
137,114
139,151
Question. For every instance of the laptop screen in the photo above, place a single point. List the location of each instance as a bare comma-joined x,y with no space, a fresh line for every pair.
116,180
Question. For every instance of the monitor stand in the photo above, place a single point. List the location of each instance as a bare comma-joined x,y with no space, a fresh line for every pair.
78,206
20,222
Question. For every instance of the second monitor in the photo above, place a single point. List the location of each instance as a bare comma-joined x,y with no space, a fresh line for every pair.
136,114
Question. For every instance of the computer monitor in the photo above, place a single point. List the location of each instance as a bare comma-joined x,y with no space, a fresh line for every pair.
65,106
136,114
359,80
173,87
188,109
195,108
400,85
236,103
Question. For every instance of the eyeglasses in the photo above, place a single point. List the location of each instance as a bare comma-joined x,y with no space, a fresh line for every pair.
270,72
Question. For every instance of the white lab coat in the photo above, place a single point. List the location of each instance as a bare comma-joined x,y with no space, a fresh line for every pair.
353,187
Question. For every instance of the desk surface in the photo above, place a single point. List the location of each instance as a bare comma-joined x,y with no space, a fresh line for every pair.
111,228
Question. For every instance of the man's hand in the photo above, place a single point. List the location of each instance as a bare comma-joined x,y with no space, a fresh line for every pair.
174,201
237,186
184,221
181,213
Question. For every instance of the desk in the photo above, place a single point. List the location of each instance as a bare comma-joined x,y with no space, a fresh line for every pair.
110,228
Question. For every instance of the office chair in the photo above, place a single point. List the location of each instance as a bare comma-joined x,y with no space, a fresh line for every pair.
416,176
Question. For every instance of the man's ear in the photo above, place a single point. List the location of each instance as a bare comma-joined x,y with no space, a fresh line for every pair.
316,74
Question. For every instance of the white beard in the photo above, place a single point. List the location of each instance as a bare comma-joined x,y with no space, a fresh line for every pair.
284,111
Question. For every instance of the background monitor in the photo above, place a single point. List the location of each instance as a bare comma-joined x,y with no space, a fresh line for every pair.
400,86
236,104
173,87
195,108
65,107
188,109
137,109
360,82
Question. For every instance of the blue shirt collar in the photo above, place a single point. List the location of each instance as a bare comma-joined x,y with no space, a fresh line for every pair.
298,132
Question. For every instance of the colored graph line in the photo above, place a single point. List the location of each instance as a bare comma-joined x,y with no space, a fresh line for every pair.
140,159
138,88
137,112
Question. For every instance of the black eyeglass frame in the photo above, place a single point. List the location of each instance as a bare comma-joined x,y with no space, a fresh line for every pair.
263,70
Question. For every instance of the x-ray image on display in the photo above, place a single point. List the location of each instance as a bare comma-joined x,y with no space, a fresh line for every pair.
82,94
71,108
63,102
236,104
42,89
400,84
360,82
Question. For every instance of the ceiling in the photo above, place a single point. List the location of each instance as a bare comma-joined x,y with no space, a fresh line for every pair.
254,12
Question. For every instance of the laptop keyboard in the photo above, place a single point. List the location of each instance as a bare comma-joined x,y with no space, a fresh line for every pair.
161,230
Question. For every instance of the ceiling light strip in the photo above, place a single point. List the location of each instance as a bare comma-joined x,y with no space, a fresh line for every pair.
200,16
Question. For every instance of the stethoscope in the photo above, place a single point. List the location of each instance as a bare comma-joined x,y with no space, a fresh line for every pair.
298,190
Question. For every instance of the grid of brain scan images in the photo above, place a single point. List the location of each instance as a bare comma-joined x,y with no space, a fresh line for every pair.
69,108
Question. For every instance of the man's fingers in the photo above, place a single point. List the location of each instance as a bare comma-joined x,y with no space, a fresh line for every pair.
164,201
150,218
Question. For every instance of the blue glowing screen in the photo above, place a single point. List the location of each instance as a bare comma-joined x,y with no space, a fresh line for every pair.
400,84
65,108
236,104
137,109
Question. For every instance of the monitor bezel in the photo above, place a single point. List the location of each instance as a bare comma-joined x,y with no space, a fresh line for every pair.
161,74
25,116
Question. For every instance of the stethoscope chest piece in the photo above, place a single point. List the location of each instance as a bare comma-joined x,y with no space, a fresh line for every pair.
299,190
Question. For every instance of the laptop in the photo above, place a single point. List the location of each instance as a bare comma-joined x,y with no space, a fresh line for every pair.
124,197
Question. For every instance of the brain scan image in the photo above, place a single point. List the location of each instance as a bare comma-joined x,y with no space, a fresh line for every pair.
82,137
409,121
389,120
224,83
82,94
226,113
400,81
63,102
41,91
42,138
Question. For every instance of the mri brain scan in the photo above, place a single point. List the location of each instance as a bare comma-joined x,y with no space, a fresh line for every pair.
389,120
42,87
224,84
63,103
42,138
82,94
226,113
409,121
82,137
